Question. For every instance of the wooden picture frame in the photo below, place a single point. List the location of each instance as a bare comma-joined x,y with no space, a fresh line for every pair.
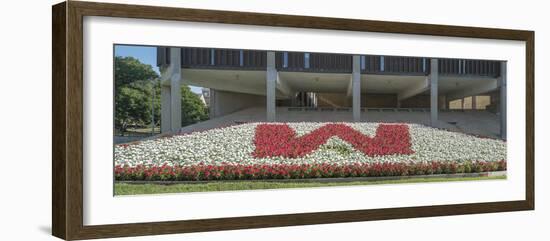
67,123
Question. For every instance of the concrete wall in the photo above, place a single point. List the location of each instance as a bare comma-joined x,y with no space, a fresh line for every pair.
379,100
418,101
384,101
367,100
422,101
225,102
331,99
482,102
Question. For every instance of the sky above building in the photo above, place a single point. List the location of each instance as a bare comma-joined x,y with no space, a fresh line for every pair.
146,55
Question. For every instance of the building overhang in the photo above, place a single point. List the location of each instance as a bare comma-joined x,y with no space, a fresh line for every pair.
404,86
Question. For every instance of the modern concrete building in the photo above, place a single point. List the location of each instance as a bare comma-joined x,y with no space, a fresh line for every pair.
276,81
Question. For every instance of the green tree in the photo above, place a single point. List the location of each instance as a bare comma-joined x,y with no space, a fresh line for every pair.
130,69
193,109
134,86
133,104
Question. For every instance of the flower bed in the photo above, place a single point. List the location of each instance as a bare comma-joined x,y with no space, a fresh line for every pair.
275,148
280,140
298,171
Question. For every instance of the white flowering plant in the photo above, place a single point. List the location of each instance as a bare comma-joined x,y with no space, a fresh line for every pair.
304,145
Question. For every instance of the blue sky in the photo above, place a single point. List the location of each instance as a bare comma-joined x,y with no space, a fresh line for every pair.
146,55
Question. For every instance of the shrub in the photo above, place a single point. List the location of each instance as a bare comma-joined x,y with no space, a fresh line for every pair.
203,172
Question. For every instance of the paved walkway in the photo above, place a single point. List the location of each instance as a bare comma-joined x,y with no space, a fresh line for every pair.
474,122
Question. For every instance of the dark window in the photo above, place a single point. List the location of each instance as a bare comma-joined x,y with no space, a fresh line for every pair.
241,57
423,64
212,57
285,59
363,62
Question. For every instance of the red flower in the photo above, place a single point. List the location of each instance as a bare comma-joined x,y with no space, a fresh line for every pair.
280,140
296,171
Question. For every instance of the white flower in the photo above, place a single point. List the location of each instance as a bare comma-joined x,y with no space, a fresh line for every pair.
233,145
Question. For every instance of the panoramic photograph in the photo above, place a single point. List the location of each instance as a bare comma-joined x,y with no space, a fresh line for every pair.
192,119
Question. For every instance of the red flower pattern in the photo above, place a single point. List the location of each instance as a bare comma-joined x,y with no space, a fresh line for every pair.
280,140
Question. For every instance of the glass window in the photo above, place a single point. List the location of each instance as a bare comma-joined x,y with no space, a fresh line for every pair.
241,57
306,60
382,63
423,64
285,59
212,56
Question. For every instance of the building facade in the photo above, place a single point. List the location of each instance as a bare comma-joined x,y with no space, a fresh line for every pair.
239,79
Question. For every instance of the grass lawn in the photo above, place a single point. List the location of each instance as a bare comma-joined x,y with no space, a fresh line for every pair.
133,189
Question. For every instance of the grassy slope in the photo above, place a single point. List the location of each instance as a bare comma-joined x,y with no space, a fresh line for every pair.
133,189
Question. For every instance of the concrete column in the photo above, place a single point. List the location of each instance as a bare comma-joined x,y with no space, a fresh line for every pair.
315,100
271,84
434,79
171,94
356,87
213,102
503,84
165,117
175,90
